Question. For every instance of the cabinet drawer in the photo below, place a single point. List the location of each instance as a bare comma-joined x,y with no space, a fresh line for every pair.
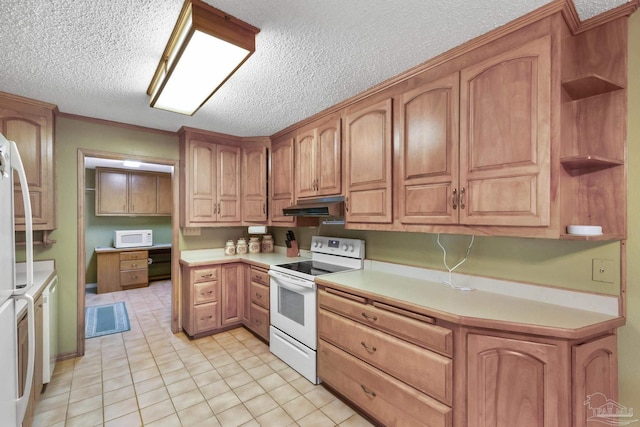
205,292
259,294
133,277
124,256
420,332
390,401
205,317
135,264
204,274
260,276
260,321
427,371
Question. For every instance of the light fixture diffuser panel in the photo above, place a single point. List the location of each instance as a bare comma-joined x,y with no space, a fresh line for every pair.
205,63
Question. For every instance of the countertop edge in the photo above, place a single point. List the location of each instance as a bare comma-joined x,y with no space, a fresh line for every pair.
484,323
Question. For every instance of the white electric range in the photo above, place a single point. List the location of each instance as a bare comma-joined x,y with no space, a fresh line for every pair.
293,333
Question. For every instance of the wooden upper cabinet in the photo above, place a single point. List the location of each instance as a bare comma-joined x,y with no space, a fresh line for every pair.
428,152
112,192
30,124
210,184
281,184
505,140
368,150
318,159
164,200
228,180
254,184
130,193
143,194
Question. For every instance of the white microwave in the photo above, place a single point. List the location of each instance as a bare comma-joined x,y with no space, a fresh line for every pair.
132,238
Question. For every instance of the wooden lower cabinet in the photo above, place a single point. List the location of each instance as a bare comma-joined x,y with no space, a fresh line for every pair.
118,271
23,351
406,368
212,298
257,301
231,294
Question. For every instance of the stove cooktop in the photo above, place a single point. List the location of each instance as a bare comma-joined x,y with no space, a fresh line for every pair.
314,268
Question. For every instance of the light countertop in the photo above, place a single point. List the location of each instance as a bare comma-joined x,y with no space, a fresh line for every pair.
101,249
200,257
472,308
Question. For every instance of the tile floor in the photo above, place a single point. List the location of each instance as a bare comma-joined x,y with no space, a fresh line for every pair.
148,376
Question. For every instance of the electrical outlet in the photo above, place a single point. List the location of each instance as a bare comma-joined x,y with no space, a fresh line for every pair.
191,231
603,270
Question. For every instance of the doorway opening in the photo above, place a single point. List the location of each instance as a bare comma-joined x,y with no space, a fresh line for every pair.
138,197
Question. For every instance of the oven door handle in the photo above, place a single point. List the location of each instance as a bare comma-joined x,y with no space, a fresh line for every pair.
291,282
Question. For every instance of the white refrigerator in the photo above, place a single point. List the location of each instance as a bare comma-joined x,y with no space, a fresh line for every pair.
12,406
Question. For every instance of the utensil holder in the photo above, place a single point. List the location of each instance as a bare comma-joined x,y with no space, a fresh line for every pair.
293,250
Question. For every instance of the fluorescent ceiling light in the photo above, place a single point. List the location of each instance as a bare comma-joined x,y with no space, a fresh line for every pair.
131,164
206,47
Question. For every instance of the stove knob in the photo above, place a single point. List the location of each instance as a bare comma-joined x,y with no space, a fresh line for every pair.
318,244
351,248
344,248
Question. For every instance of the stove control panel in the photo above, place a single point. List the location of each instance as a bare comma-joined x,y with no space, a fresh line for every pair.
352,248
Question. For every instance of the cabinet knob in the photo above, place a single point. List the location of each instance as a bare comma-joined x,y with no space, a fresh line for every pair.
258,295
134,277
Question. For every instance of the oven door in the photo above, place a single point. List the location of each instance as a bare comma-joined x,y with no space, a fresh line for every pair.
293,307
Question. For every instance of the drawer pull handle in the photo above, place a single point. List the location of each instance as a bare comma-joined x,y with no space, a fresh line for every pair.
134,265
206,275
258,295
370,349
366,390
208,292
366,316
134,277
206,317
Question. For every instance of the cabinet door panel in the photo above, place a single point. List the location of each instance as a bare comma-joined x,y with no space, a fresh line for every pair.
231,308
306,164
164,199
329,159
428,168
142,193
512,383
282,170
112,194
202,193
368,163
595,377
505,133
276,211
254,188
228,184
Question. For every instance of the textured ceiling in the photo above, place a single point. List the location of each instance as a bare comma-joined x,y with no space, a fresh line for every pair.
96,58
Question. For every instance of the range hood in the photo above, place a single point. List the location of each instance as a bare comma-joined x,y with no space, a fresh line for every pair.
324,207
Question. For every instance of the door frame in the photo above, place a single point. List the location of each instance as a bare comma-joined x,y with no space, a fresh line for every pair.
81,229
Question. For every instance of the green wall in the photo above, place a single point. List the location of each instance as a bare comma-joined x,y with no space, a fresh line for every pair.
70,136
551,262
99,229
629,336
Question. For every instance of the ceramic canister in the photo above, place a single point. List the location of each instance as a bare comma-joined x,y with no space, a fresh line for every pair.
267,243
254,245
241,246
230,248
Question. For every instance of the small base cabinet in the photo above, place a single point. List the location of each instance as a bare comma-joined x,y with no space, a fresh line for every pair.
212,298
259,315
200,299
122,270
